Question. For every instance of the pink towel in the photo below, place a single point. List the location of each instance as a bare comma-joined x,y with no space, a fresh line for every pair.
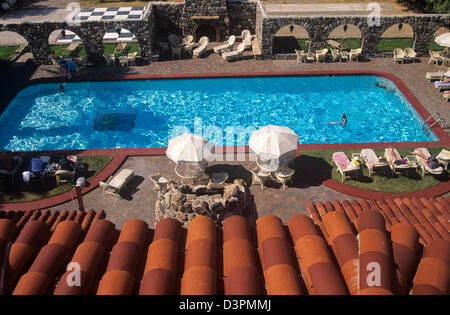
341,159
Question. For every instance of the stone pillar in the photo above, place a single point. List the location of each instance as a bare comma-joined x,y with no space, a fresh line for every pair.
371,37
93,43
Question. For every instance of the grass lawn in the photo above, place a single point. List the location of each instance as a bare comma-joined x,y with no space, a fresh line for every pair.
303,44
8,52
389,44
322,160
435,46
23,194
108,49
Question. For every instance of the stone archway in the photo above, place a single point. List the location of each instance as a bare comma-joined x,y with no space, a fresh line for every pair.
206,29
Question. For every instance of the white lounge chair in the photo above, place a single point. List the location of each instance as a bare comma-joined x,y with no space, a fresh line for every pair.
399,55
226,46
355,53
437,75
410,54
230,55
335,55
346,167
301,56
116,183
423,164
246,38
202,45
374,163
444,157
187,40
321,54
407,164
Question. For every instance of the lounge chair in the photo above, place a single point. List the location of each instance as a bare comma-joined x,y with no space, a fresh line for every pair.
246,39
226,46
116,183
437,75
442,86
230,55
435,57
321,54
355,53
374,163
159,182
187,40
444,157
259,177
301,56
399,55
284,175
410,54
202,45
446,96
345,166
399,164
424,167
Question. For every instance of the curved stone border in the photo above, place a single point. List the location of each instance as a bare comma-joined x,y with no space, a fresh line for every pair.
121,154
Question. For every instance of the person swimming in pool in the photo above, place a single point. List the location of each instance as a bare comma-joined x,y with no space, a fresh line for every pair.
383,85
342,122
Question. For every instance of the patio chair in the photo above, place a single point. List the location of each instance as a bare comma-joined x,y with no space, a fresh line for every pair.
399,55
110,59
410,54
423,163
434,57
202,45
159,182
446,96
444,157
115,184
321,54
355,54
226,45
346,167
246,39
189,39
176,50
132,58
335,55
259,177
284,175
399,164
301,56
234,54
335,44
374,163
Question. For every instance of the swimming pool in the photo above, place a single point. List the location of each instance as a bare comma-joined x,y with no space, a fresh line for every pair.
147,113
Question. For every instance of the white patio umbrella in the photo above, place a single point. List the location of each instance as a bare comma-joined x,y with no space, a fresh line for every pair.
272,142
443,39
189,148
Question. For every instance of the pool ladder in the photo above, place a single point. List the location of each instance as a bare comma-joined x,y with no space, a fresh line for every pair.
437,119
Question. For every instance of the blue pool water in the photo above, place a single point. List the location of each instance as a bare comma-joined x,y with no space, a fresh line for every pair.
146,113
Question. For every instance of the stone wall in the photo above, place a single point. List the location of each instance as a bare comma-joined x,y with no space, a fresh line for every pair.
168,17
242,16
319,28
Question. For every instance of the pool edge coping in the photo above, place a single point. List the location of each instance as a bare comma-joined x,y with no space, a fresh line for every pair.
120,155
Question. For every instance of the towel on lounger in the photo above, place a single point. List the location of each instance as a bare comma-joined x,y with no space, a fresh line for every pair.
341,159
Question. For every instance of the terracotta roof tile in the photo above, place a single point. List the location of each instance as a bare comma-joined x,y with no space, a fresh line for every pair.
375,260
237,258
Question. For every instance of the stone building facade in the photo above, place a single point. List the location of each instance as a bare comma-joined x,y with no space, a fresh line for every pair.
220,19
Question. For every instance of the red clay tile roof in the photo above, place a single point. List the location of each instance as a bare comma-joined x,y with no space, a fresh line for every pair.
392,246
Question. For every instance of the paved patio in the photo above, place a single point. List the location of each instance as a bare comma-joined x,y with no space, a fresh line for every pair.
139,199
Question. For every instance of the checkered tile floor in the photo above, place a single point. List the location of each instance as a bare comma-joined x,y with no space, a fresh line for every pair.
104,14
